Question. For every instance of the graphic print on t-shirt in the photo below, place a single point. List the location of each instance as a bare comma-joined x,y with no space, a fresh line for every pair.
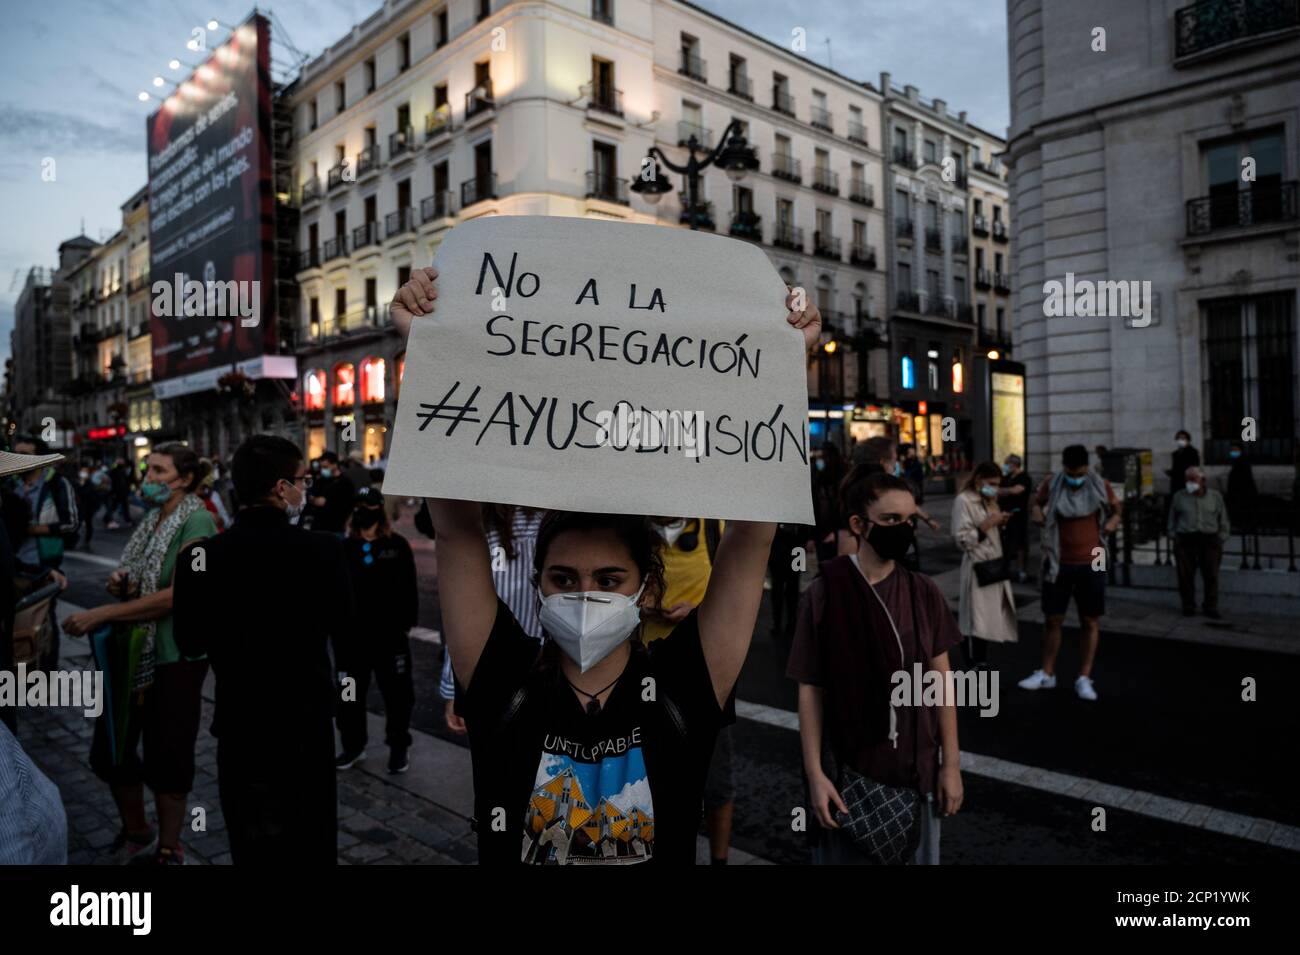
590,804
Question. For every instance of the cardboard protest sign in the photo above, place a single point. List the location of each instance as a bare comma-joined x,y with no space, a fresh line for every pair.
584,365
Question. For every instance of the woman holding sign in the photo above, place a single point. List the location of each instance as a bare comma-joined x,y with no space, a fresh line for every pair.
594,749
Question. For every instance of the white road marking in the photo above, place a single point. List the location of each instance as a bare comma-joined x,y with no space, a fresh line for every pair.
1195,815
93,559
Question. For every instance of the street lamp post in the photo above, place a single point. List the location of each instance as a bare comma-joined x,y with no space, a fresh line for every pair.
732,154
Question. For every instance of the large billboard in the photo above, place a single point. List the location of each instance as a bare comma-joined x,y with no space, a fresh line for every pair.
212,218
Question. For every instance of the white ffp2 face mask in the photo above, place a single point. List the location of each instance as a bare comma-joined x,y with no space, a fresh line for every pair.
588,626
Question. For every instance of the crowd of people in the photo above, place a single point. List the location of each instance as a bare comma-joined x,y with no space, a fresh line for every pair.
591,659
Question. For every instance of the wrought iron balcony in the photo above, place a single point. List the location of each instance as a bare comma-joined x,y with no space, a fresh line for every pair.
933,239
999,231
436,206
782,101
824,180
827,246
741,86
960,244
336,248
703,213
860,191
939,307
603,98
979,225
693,66
685,132
437,122
1001,282
368,160
864,255
747,225
983,278
395,223
309,258
602,185
788,237
338,175
904,157
480,99
822,119
364,235
785,166
1258,205
1224,24
477,189
602,12
904,229
908,301
857,132
400,142
311,190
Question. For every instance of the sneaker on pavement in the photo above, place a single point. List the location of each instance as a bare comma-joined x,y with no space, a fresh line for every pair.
398,762
1038,680
1084,688
126,848
348,760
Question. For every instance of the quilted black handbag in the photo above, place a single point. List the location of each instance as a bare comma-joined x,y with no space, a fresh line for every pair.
883,821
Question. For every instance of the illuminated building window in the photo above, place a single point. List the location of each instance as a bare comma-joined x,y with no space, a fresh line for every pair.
909,373
372,380
345,378
958,378
313,386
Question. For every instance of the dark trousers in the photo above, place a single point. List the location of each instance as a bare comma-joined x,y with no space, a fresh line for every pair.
1190,552
785,590
388,656
282,807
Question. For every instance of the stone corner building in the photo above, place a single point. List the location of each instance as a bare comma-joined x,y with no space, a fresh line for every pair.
1127,164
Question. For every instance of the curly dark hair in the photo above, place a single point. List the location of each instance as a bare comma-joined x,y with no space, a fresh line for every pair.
636,533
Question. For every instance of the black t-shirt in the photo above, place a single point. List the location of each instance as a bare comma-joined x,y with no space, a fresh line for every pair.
553,785
1019,522
332,517
384,586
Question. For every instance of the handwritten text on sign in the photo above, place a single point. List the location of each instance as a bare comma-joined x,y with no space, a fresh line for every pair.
600,366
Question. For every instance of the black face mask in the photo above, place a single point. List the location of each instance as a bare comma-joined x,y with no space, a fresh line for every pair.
891,541
364,518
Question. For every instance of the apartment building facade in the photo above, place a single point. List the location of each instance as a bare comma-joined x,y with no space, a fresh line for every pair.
990,246
1179,171
429,114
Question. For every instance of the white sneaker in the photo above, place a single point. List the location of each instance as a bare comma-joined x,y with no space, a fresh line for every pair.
1038,680
1083,686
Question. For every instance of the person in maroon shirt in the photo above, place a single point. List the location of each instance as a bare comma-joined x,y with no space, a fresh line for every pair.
1076,508
865,619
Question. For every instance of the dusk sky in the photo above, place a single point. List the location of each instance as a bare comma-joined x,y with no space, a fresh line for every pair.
72,72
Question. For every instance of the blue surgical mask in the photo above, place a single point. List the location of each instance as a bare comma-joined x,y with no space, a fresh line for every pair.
988,490
1234,454
898,469
154,492
1074,482
1006,469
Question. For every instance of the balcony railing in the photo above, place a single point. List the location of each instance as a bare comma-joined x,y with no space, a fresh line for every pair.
822,119
602,13
960,244
364,235
827,246
703,213
436,206
336,248
338,175
908,301
477,189
933,239
860,191
857,132
604,98
685,131
782,101
693,66
824,180
741,86
864,255
400,142
1215,24
395,223
1258,205
1001,282
993,168
437,122
983,279
747,225
999,231
979,225
137,283
785,166
480,99
309,258
603,185
311,190
937,306
904,229
904,157
368,159
788,237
